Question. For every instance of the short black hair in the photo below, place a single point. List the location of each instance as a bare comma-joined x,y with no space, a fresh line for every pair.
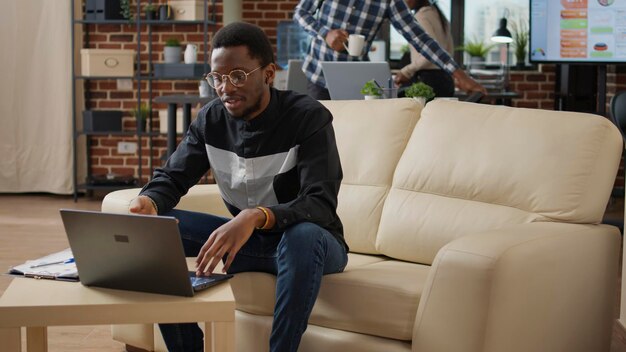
249,35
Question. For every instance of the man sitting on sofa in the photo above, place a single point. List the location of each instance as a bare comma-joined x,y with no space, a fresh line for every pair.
274,157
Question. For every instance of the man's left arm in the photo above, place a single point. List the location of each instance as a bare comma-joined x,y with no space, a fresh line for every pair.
402,19
320,174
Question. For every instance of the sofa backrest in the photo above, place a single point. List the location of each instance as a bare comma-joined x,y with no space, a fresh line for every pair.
468,168
371,135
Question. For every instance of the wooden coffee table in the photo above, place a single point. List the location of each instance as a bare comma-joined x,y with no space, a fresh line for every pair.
37,304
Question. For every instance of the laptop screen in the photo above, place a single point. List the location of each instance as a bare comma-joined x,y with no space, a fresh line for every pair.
129,252
345,79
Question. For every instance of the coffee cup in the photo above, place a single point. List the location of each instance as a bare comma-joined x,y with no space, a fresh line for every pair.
356,42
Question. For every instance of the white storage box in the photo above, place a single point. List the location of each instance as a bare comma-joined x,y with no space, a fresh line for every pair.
107,62
187,10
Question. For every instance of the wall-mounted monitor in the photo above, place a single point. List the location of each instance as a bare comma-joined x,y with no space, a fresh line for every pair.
577,31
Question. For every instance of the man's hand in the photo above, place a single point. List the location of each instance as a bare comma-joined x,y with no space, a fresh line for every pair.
336,39
228,239
400,79
142,205
466,83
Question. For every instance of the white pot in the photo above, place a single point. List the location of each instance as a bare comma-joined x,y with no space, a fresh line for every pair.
171,54
371,97
191,54
474,60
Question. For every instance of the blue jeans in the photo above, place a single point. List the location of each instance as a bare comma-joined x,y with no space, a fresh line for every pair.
299,257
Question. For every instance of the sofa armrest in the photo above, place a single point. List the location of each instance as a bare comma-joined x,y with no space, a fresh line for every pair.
200,198
119,201
531,287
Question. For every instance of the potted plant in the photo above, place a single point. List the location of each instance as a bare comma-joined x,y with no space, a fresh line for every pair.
420,92
476,49
142,114
151,11
172,50
520,42
371,90
126,12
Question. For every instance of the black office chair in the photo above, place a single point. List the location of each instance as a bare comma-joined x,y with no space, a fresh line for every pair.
618,116
618,112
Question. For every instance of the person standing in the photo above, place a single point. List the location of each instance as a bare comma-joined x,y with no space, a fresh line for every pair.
432,20
274,157
330,22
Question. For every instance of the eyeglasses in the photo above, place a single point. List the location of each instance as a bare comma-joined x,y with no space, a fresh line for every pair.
237,78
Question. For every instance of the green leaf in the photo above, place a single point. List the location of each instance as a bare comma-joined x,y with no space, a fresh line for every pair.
420,89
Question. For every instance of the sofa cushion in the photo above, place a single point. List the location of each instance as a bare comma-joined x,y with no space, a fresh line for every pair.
416,225
255,292
371,136
374,295
488,166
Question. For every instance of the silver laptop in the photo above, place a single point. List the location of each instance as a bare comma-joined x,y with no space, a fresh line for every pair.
296,80
131,252
344,79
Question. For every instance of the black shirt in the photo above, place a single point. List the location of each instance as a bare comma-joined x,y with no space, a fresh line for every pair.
285,159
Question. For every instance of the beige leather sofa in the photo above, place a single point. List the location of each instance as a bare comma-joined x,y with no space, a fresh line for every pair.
472,228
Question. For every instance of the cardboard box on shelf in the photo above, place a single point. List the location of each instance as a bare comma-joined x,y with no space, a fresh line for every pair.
107,62
187,10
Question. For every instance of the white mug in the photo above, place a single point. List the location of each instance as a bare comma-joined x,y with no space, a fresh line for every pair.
356,42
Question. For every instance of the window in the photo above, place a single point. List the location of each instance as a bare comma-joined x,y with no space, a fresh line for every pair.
482,18
397,43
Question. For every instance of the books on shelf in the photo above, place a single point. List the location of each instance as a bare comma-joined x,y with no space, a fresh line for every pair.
55,266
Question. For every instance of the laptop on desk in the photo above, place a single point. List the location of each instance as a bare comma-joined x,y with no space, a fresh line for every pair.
131,252
296,79
344,79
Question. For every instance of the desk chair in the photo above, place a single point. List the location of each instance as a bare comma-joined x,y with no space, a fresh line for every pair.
618,112
618,116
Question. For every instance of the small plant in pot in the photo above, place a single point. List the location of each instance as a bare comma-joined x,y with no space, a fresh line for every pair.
371,90
420,92
520,42
172,51
150,11
476,49
142,114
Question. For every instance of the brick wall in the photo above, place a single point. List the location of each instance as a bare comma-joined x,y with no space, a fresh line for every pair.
105,95
536,87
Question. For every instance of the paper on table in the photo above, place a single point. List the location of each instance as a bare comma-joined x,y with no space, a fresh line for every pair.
42,268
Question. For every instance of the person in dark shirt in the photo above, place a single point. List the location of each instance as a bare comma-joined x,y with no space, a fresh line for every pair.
274,157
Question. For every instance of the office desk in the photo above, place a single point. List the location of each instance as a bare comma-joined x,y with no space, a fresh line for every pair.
500,98
37,304
186,100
